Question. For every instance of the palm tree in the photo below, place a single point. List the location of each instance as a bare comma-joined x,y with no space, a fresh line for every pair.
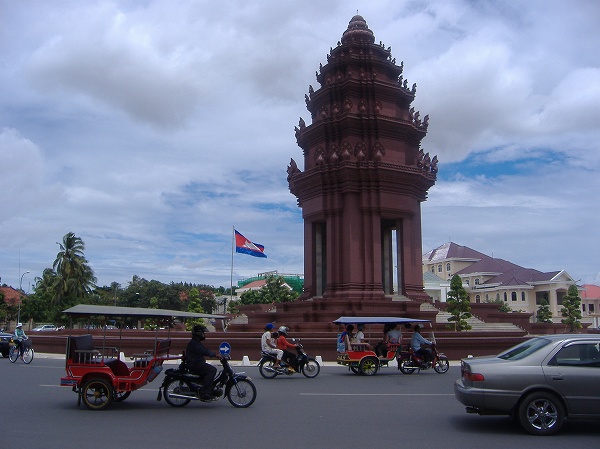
75,278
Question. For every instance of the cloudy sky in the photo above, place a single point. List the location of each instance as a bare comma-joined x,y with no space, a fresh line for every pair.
151,128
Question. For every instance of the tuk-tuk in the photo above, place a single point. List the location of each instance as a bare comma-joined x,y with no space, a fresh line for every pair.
98,373
360,358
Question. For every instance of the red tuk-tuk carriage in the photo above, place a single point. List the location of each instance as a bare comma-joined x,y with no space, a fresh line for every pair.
98,373
356,356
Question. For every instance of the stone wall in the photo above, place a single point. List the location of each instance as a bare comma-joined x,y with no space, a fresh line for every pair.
455,345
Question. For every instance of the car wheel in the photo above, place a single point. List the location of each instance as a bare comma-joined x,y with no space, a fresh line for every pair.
541,413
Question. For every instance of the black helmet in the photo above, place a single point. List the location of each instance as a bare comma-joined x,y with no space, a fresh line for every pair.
198,331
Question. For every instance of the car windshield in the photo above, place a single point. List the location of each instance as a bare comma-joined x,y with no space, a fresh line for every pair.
524,349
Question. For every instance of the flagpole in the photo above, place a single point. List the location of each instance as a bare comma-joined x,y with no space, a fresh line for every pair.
232,251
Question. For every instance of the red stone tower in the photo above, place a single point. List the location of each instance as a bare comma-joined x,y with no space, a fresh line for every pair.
364,176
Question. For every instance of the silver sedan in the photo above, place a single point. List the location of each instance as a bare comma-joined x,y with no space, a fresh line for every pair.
539,382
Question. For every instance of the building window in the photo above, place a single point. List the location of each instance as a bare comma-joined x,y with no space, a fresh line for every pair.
433,269
497,296
505,297
487,297
583,307
513,296
448,266
591,308
467,282
477,299
522,296
439,268
539,296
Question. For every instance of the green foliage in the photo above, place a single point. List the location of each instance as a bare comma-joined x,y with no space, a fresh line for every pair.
571,310
544,314
232,307
459,305
502,305
74,277
273,291
71,281
194,305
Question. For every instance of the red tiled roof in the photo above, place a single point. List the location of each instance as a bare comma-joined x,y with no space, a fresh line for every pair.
591,291
255,284
506,273
11,295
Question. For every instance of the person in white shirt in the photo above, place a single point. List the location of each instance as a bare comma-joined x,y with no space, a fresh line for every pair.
359,337
268,345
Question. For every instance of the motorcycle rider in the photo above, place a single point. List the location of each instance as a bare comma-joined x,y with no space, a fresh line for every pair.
282,343
416,342
195,355
267,346
19,337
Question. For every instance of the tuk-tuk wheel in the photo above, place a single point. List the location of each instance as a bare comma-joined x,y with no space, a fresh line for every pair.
97,394
120,396
369,366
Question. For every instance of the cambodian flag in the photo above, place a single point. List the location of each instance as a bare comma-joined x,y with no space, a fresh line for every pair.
243,245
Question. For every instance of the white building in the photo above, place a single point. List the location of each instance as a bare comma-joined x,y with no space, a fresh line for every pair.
488,279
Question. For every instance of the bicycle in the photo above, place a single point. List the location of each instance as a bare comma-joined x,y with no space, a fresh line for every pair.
28,352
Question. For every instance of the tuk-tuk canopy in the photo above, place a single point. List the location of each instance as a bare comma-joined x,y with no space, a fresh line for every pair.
115,311
376,320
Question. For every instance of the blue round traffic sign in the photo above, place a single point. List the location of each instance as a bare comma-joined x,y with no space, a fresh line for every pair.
225,348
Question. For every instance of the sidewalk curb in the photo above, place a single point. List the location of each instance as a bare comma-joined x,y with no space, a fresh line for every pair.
244,362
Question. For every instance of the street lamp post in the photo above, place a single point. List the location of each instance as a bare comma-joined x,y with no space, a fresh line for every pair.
20,290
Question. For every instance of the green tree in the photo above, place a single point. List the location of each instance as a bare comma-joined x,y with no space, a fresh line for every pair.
544,314
195,306
75,278
273,291
571,310
502,305
459,305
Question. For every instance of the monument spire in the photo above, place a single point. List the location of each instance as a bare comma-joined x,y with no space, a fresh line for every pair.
365,174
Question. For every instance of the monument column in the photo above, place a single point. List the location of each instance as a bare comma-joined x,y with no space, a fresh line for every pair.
364,175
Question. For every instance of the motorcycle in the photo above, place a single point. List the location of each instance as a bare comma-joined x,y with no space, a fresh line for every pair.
408,361
303,364
180,387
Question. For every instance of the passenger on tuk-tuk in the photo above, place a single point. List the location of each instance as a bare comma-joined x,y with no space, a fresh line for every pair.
195,355
359,337
416,342
391,335
346,338
283,344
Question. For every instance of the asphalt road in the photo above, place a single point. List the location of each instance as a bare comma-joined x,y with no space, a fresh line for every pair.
336,409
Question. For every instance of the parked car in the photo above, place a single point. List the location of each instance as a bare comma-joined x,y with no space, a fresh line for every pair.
4,343
44,328
539,383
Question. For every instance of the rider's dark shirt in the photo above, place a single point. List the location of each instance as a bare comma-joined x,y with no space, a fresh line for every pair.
196,352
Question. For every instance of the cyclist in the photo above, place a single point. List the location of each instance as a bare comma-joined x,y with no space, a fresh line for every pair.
19,337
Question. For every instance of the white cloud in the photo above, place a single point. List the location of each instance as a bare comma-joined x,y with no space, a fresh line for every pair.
150,128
